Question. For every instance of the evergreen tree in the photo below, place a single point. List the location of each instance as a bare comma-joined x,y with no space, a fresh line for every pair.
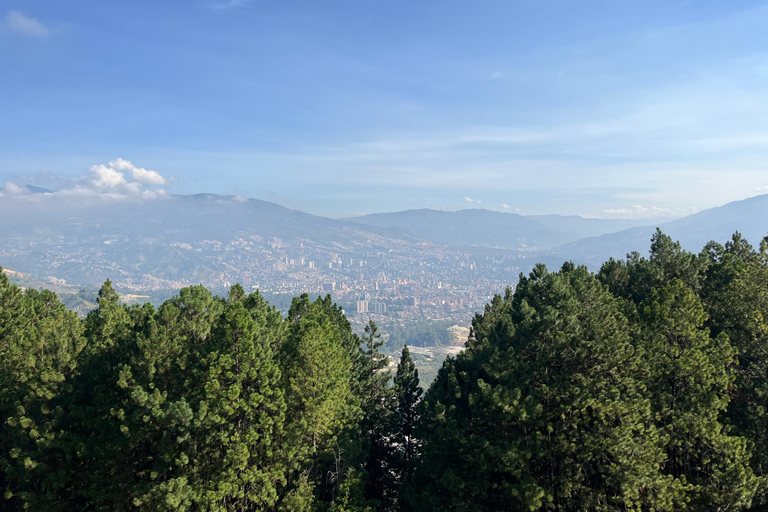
634,278
736,298
642,388
688,376
39,345
404,420
376,404
543,410
320,406
216,435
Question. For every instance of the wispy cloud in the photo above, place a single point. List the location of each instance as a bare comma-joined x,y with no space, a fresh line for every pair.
495,75
508,208
223,5
468,199
16,22
638,211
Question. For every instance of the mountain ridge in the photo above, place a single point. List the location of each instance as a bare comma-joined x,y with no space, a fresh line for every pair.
216,239
747,216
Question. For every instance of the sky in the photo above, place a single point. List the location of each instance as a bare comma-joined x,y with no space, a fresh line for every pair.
340,108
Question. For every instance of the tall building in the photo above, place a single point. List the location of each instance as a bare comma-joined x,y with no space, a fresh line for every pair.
362,306
380,308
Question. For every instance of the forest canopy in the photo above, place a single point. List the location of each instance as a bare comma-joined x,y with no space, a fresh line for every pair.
641,387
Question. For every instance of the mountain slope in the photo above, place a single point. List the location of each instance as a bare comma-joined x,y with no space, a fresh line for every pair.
469,227
573,227
179,240
496,229
749,217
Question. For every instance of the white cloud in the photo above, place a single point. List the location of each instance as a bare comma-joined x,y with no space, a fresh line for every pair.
508,208
470,200
139,174
107,177
11,188
120,180
638,211
16,23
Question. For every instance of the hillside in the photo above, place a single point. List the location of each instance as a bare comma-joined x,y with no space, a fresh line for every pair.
748,216
469,227
179,241
217,240
487,228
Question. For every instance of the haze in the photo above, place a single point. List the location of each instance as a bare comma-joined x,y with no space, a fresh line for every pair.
606,109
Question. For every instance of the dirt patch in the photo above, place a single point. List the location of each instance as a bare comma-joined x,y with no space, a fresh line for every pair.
458,335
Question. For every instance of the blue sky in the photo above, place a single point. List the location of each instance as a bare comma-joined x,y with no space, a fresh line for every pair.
609,109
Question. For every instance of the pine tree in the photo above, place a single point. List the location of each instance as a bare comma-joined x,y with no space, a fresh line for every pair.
736,297
316,368
376,404
688,377
405,446
39,346
543,410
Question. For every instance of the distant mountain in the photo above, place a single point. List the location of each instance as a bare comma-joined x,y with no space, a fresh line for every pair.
749,217
33,189
496,229
573,227
469,227
179,240
216,240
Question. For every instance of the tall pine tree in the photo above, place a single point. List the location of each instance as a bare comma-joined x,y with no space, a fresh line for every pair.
405,417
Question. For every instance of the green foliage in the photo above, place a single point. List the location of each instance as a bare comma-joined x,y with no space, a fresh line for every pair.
322,409
405,417
736,298
641,388
688,376
376,405
425,334
351,497
634,278
543,409
39,346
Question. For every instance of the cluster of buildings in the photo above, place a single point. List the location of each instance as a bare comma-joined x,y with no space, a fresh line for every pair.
382,279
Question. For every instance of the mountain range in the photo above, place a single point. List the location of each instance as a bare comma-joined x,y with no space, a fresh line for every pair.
488,228
217,239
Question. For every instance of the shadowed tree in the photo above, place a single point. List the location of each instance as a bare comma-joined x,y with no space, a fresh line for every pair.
405,446
543,411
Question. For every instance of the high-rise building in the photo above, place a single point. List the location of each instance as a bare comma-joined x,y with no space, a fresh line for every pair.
380,308
362,306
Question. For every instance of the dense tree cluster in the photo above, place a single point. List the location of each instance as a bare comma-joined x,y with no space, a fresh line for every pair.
643,387
423,334
205,403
